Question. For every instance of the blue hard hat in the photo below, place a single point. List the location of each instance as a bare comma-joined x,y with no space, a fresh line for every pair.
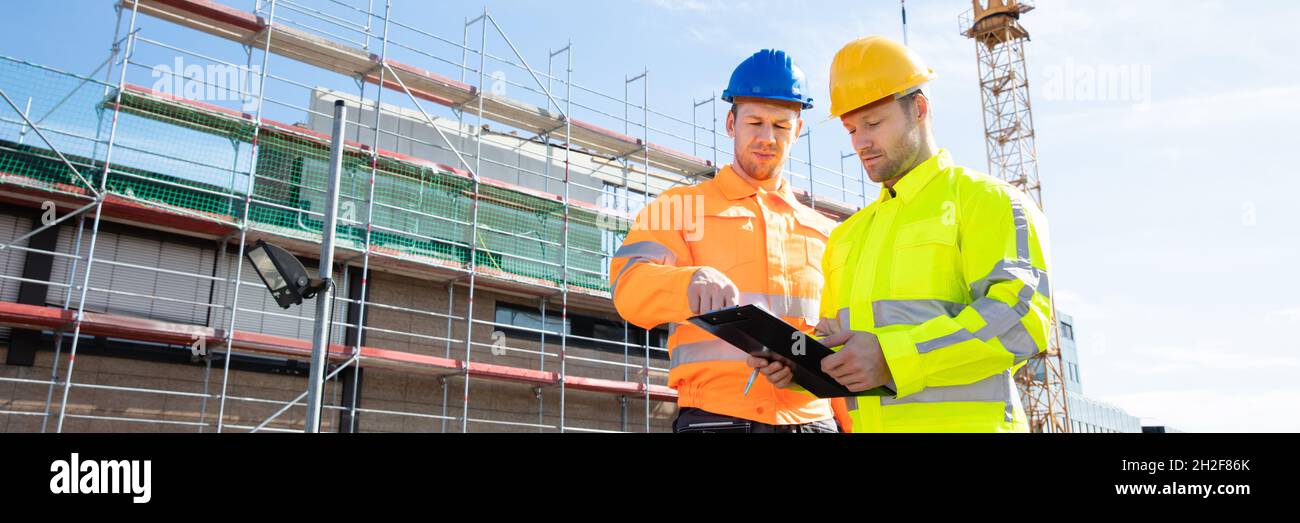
771,74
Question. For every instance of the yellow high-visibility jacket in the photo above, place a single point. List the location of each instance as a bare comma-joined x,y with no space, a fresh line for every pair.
949,270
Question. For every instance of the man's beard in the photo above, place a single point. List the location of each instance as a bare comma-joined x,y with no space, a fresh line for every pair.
897,162
887,169
756,170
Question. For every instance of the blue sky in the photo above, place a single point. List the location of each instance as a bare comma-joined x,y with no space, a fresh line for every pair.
1172,209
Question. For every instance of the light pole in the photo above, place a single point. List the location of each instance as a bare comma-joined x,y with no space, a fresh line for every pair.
320,341
286,278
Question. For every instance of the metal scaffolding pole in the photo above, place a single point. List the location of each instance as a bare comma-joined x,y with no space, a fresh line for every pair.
442,380
564,286
812,185
62,331
547,139
370,210
224,244
473,233
541,360
644,77
645,147
244,222
99,208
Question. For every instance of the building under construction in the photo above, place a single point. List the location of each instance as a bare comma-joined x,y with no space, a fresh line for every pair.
481,199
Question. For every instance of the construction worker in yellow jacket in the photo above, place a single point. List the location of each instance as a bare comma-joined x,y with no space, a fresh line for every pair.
938,289
737,239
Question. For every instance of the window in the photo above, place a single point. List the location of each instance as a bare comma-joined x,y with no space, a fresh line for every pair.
579,325
1067,330
527,318
620,198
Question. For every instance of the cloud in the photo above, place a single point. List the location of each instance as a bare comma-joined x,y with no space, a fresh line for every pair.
1242,107
1171,359
1214,410
1291,315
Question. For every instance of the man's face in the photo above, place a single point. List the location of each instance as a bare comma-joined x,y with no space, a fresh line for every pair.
763,133
886,137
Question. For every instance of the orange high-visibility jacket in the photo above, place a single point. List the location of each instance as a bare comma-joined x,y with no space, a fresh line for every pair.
767,243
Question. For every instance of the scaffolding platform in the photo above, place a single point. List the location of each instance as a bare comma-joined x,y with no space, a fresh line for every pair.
129,328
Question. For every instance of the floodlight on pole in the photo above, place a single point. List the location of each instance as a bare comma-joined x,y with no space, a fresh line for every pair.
285,277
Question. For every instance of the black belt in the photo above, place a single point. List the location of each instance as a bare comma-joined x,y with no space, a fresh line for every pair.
691,419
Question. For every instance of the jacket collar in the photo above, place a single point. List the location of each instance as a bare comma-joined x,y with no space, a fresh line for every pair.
734,187
915,180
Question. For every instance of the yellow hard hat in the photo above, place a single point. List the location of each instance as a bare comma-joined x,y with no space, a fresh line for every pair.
871,68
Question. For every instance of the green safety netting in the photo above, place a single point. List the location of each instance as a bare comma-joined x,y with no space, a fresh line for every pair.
198,158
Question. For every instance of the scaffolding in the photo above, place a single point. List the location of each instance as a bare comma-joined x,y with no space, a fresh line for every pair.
433,200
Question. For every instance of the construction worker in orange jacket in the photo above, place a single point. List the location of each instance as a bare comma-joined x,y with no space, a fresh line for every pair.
740,238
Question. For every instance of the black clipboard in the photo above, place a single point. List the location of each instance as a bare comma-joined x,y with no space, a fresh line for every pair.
758,332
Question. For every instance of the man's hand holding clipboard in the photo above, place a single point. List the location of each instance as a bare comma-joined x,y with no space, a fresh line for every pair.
858,366
786,356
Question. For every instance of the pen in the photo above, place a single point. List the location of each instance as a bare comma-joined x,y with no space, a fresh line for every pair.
752,375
